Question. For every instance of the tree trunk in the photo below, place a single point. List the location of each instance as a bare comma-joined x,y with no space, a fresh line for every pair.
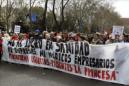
59,24
54,15
45,14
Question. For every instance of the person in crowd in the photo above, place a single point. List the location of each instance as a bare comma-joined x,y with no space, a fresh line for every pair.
38,35
64,37
31,35
90,38
1,50
117,39
100,39
97,38
105,37
52,36
126,38
6,36
15,36
47,36
109,40
71,37
77,37
58,37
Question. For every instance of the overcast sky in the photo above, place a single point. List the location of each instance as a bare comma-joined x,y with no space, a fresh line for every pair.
122,7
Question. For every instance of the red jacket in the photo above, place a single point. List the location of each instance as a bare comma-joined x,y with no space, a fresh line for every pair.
15,37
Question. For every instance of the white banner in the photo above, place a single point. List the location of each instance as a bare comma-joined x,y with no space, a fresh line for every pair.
102,62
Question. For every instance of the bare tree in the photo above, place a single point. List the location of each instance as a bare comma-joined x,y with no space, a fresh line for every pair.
10,5
44,14
83,12
59,24
1,3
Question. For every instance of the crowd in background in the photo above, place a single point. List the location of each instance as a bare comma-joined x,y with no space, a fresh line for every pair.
96,38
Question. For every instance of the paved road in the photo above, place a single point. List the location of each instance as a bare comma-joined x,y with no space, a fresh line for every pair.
21,75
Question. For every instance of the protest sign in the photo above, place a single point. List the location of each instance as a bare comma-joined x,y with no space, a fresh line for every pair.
118,30
17,29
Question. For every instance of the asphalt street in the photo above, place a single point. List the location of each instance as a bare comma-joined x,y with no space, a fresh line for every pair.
21,75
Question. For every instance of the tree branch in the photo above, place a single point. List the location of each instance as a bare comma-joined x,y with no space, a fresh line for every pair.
65,4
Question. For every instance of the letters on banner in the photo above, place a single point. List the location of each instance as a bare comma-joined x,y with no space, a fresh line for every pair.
104,62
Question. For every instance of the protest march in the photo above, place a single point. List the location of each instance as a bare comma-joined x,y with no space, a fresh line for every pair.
64,42
96,56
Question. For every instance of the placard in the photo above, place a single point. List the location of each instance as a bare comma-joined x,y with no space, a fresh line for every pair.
17,29
118,30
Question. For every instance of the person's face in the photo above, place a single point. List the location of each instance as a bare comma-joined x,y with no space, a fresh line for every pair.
96,36
117,36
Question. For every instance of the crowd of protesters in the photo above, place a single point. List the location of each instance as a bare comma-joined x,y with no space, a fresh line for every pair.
97,38
1,47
